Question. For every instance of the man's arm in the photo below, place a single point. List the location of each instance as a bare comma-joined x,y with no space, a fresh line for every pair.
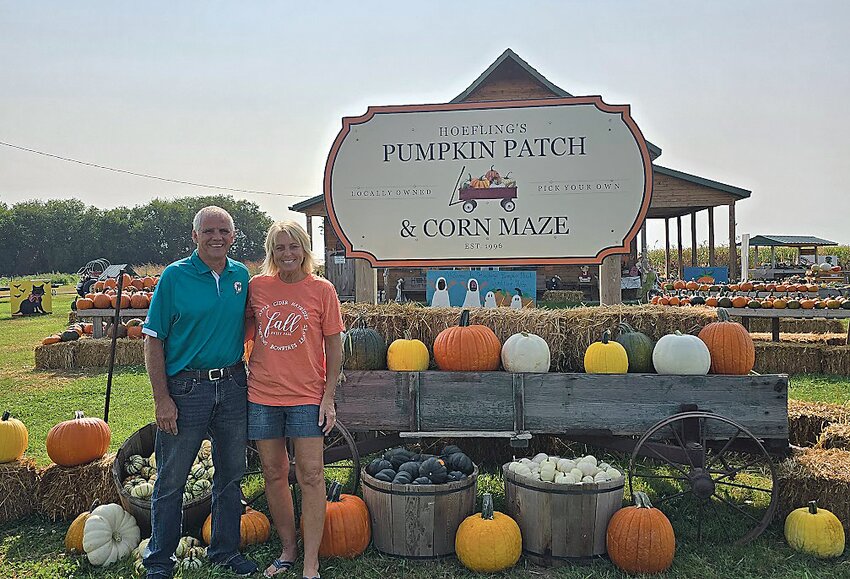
166,410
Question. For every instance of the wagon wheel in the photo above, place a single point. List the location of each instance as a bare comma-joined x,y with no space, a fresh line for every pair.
508,205
708,474
469,206
342,460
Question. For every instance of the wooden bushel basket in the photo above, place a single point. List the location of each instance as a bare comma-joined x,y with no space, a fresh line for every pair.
142,442
561,524
418,521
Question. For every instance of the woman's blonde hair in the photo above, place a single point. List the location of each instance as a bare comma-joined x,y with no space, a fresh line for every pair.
296,232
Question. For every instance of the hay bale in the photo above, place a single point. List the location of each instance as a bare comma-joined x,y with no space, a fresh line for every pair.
787,358
796,325
816,474
19,481
563,296
827,339
806,420
65,492
836,360
89,353
836,435
567,331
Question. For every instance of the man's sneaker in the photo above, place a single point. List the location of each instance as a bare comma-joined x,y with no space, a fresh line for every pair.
240,565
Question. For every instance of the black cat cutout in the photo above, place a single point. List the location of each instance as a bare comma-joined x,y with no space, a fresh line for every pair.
32,305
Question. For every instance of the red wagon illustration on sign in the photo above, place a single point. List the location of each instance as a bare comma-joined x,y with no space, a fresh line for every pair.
491,185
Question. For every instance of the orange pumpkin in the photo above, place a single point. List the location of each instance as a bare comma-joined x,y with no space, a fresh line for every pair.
137,283
51,339
78,441
148,282
88,329
740,302
730,345
746,286
110,283
139,301
347,527
480,183
465,348
101,301
99,286
254,527
692,286
640,539
679,284
85,304
125,301
711,301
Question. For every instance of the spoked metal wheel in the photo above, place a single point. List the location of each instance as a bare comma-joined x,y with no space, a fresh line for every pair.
712,478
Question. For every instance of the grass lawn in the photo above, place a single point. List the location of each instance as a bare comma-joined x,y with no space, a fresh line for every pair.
33,547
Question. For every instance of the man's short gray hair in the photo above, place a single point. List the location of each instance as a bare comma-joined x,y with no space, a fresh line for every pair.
209,210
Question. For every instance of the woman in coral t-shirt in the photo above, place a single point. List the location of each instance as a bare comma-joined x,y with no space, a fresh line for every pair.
294,320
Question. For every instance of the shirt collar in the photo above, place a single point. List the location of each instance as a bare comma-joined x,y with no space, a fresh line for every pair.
204,268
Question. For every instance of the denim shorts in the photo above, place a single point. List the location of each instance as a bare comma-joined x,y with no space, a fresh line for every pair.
267,422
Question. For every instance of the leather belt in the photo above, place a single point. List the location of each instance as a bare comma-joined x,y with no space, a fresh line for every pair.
213,373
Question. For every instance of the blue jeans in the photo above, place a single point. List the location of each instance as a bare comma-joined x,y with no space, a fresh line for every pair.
205,408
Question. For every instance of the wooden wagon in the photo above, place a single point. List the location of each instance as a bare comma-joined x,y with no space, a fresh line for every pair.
705,443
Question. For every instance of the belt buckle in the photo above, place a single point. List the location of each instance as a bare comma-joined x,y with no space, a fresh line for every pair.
215,374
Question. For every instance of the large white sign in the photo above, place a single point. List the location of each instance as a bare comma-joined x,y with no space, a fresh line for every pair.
516,182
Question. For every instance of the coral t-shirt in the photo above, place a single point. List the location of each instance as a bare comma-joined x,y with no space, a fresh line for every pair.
290,321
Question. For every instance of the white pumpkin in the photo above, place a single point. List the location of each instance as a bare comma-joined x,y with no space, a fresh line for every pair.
547,471
587,479
526,352
523,470
613,473
139,551
577,474
540,457
566,465
142,491
110,533
681,354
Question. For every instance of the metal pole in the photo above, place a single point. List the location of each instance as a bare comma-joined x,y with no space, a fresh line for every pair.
115,321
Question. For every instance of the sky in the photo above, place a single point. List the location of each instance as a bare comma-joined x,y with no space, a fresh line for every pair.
250,95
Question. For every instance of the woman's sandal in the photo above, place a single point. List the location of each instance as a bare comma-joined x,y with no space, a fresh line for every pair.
280,566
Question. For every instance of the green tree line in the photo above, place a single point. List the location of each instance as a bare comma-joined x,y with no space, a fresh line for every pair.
64,234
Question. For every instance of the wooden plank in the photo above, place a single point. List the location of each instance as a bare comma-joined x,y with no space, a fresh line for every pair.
373,400
610,275
519,402
582,517
466,401
413,400
380,513
607,503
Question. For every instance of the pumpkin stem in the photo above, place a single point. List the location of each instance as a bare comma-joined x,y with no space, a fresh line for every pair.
606,335
487,507
94,504
6,415
464,318
642,501
722,314
334,490
813,507
626,328
78,414
407,335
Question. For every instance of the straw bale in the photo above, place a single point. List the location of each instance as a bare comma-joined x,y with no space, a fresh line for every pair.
18,488
803,338
563,296
816,474
65,492
836,435
787,358
796,325
567,331
89,353
806,420
836,360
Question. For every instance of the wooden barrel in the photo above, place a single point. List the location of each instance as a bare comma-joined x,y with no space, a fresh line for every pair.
142,442
418,521
561,524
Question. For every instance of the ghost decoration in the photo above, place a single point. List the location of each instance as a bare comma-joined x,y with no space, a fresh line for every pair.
473,297
490,300
440,299
516,300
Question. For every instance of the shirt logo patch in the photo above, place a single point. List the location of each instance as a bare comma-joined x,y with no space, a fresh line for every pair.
237,286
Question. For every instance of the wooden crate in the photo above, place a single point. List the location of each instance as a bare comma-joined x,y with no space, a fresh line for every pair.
418,521
561,524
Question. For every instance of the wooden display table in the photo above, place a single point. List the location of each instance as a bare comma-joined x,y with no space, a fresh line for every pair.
99,316
774,315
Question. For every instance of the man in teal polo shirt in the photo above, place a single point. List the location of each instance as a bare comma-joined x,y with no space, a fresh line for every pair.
193,353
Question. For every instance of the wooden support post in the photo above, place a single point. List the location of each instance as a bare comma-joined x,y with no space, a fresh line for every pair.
644,249
773,257
733,250
693,239
365,282
310,231
711,236
667,248
774,329
680,265
610,275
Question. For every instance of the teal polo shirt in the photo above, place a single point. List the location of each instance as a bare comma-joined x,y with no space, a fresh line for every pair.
199,319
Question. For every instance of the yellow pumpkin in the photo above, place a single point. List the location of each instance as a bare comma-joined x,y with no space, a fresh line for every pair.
408,355
14,438
606,357
489,541
74,536
815,531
